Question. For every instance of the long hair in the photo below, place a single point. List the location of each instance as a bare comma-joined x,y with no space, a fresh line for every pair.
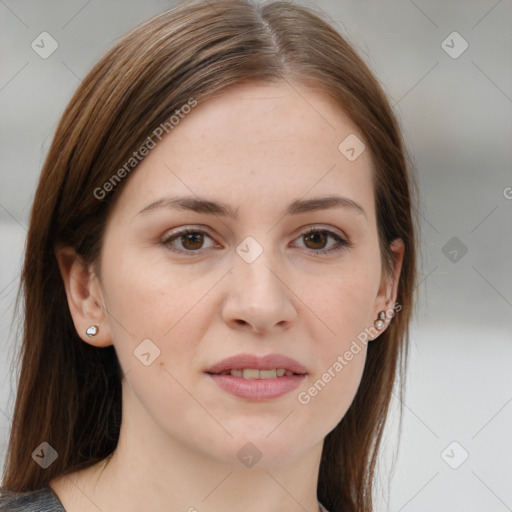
69,392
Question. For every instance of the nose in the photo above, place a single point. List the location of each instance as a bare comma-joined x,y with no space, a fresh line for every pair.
259,298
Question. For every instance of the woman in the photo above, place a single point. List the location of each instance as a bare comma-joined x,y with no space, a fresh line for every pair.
219,277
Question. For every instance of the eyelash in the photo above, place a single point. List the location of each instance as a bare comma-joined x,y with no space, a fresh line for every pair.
341,242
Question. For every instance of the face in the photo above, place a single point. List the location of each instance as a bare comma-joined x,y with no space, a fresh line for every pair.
261,273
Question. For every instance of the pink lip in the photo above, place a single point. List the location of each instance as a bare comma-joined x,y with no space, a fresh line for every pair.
257,389
267,362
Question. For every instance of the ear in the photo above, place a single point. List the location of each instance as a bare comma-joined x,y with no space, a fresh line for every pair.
388,290
85,298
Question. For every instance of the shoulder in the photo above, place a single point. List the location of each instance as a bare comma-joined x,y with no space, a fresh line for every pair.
42,500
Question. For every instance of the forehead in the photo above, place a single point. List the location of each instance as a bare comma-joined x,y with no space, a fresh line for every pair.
258,145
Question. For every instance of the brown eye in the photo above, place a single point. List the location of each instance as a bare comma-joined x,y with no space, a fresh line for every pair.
191,241
316,240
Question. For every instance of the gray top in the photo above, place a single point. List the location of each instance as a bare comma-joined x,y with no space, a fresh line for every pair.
43,500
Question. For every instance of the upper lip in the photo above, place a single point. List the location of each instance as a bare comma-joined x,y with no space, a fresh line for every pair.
268,362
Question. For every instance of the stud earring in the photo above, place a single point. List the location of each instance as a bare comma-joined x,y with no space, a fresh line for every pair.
92,331
380,322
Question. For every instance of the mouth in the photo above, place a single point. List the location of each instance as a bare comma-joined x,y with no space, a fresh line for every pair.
258,378
253,366
255,373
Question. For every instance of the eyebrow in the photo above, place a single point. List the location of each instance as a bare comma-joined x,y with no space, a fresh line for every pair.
299,206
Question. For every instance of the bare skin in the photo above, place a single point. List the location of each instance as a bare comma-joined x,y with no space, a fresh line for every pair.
256,148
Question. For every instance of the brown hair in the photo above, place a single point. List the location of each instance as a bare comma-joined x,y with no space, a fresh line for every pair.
69,392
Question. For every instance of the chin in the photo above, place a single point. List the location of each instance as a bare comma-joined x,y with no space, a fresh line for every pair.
261,450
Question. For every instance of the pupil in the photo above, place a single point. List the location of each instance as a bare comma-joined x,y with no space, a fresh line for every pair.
312,237
195,239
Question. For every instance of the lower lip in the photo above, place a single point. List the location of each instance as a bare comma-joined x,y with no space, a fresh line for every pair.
257,389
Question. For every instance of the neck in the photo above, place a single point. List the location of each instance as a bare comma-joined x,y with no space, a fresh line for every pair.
153,471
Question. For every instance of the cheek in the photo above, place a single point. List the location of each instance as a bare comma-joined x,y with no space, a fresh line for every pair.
340,353
327,398
147,299
342,304
342,300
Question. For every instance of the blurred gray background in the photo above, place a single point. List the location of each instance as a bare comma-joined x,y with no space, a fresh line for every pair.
455,105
